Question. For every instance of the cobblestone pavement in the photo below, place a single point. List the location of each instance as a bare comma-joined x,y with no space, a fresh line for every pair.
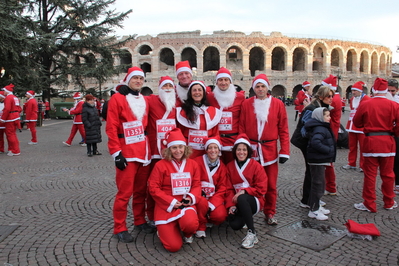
62,202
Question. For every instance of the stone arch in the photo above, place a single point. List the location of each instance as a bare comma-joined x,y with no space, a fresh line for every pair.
256,59
295,90
211,59
166,58
189,54
90,60
299,59
374,63
364,61
337,56
125,58
382,64
146,91
279,58
351,60
319,51
146,67
144,49
279,90
234,57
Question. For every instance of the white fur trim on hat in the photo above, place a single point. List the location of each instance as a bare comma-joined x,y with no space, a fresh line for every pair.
30,94
260,81
376,91
224,75
329,85
166,82
2,96
214,141
176,142
242,140
134,73
182,69
356,89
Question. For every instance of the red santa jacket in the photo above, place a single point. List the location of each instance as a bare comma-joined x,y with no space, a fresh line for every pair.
213,183
251,177
336,114
378,116
161,186
350,127
125,132
275,128
31,110
159,122
11,109
2,125
229,123
77,112
301,96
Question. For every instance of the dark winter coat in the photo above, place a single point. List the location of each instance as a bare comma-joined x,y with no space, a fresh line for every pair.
321,145
92,123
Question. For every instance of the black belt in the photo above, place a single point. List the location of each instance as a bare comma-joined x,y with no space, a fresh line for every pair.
263,141
14,111
121,136
378,134
228,135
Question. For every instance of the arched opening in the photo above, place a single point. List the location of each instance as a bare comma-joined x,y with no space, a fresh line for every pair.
146,67
190,55
146,91
211,59
350,60
334,58
90,60
126,60
166,58
256,60
363,62
145,50
382,64
298,60
278,59
374,64
295,90
234,58
318,58
279,92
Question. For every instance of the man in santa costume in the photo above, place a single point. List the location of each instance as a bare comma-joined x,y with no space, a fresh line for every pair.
127,118
31,110
356,135
2,125
184,75
335,122
11,119
264,119
76,110
379,118
302,97
228,100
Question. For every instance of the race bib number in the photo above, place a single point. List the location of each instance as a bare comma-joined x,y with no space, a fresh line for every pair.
16,101
181,183
196,139
133,131
163,126
352,114
226,122
208,189
240,186
255,154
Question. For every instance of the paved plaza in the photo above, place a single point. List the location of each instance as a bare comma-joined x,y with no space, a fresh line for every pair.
59,201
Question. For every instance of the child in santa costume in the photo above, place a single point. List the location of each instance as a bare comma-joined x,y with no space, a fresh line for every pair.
175,185
31,111
76,111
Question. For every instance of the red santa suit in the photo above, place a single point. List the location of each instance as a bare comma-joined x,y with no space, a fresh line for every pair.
2,125
378,117
31,111
169,183
213,184
301,96
77,121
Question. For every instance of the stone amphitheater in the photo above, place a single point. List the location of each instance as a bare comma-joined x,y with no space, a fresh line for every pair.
287,61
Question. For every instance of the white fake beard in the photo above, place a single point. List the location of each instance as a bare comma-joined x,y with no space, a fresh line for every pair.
262,109
168,99
355,102
137,105
225,98
181,92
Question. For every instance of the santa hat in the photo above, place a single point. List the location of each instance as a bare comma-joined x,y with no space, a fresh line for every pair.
2,94
262,78
224,73
197,82
305,84
9,88
165,80
174,137
358,86
31,93
242,138
183,66
77,95
214,140
362,229
133,71
331,81
380,86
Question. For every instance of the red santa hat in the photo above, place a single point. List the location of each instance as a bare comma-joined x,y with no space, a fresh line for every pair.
224,73
197,82
380,86
262,78
362,229
214,140
183,66
133,71
242,138
174,137
358,86
305,84
331,81
9,88
2,94
77,95
165,80
31,93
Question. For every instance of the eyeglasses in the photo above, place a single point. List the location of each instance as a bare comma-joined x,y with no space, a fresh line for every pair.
392,90
329,96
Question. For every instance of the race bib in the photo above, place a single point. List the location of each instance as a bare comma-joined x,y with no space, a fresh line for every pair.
208,189
181,183
240,186
196,139
16,101
133,131
163,126
226,122
352,114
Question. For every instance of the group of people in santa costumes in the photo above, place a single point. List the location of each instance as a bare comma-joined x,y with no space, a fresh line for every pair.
77,124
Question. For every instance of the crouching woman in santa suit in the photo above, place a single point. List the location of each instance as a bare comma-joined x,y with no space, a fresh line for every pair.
246,187
175,186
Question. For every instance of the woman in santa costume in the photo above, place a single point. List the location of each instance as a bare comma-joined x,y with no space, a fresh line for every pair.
197,120
210,207
228,100
246,187
175,186
76,110
31,111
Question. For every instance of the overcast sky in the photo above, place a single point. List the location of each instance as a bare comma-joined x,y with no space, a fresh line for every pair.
359,20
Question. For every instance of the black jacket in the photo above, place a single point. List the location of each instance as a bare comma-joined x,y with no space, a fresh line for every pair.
321,145
92,123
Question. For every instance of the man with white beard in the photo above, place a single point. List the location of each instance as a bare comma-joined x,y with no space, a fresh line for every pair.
184,75
127,117
264,119
228,100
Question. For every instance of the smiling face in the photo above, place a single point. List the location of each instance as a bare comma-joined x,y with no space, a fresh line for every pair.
223,83
136,83
213,152
241,152
184,78
167,88
177,151
197,93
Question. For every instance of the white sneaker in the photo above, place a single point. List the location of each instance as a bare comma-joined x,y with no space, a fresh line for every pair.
322,203
395,205
69,145
249,240
324,211
200,234
188,240
12,154
360,206
209,225
32,143
330,193
396,190
318,215
348,167
83,144
360,170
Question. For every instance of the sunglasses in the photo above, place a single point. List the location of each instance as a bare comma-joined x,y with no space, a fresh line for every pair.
329,96
392,90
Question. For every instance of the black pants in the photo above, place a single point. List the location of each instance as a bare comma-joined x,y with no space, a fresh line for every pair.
307,180
246,208
318,182
91,147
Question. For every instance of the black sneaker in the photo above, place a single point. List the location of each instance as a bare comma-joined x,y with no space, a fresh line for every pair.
124,237
146,228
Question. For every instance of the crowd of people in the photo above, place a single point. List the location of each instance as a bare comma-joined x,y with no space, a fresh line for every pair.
191,157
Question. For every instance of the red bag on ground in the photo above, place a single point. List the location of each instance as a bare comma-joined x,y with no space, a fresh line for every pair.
362,229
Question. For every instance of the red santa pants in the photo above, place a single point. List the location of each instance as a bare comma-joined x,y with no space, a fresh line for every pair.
124,183
271,194
75,128
32,127
11,134
140,192
355,144
2,139
170,235
331,186
216,217
371,165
